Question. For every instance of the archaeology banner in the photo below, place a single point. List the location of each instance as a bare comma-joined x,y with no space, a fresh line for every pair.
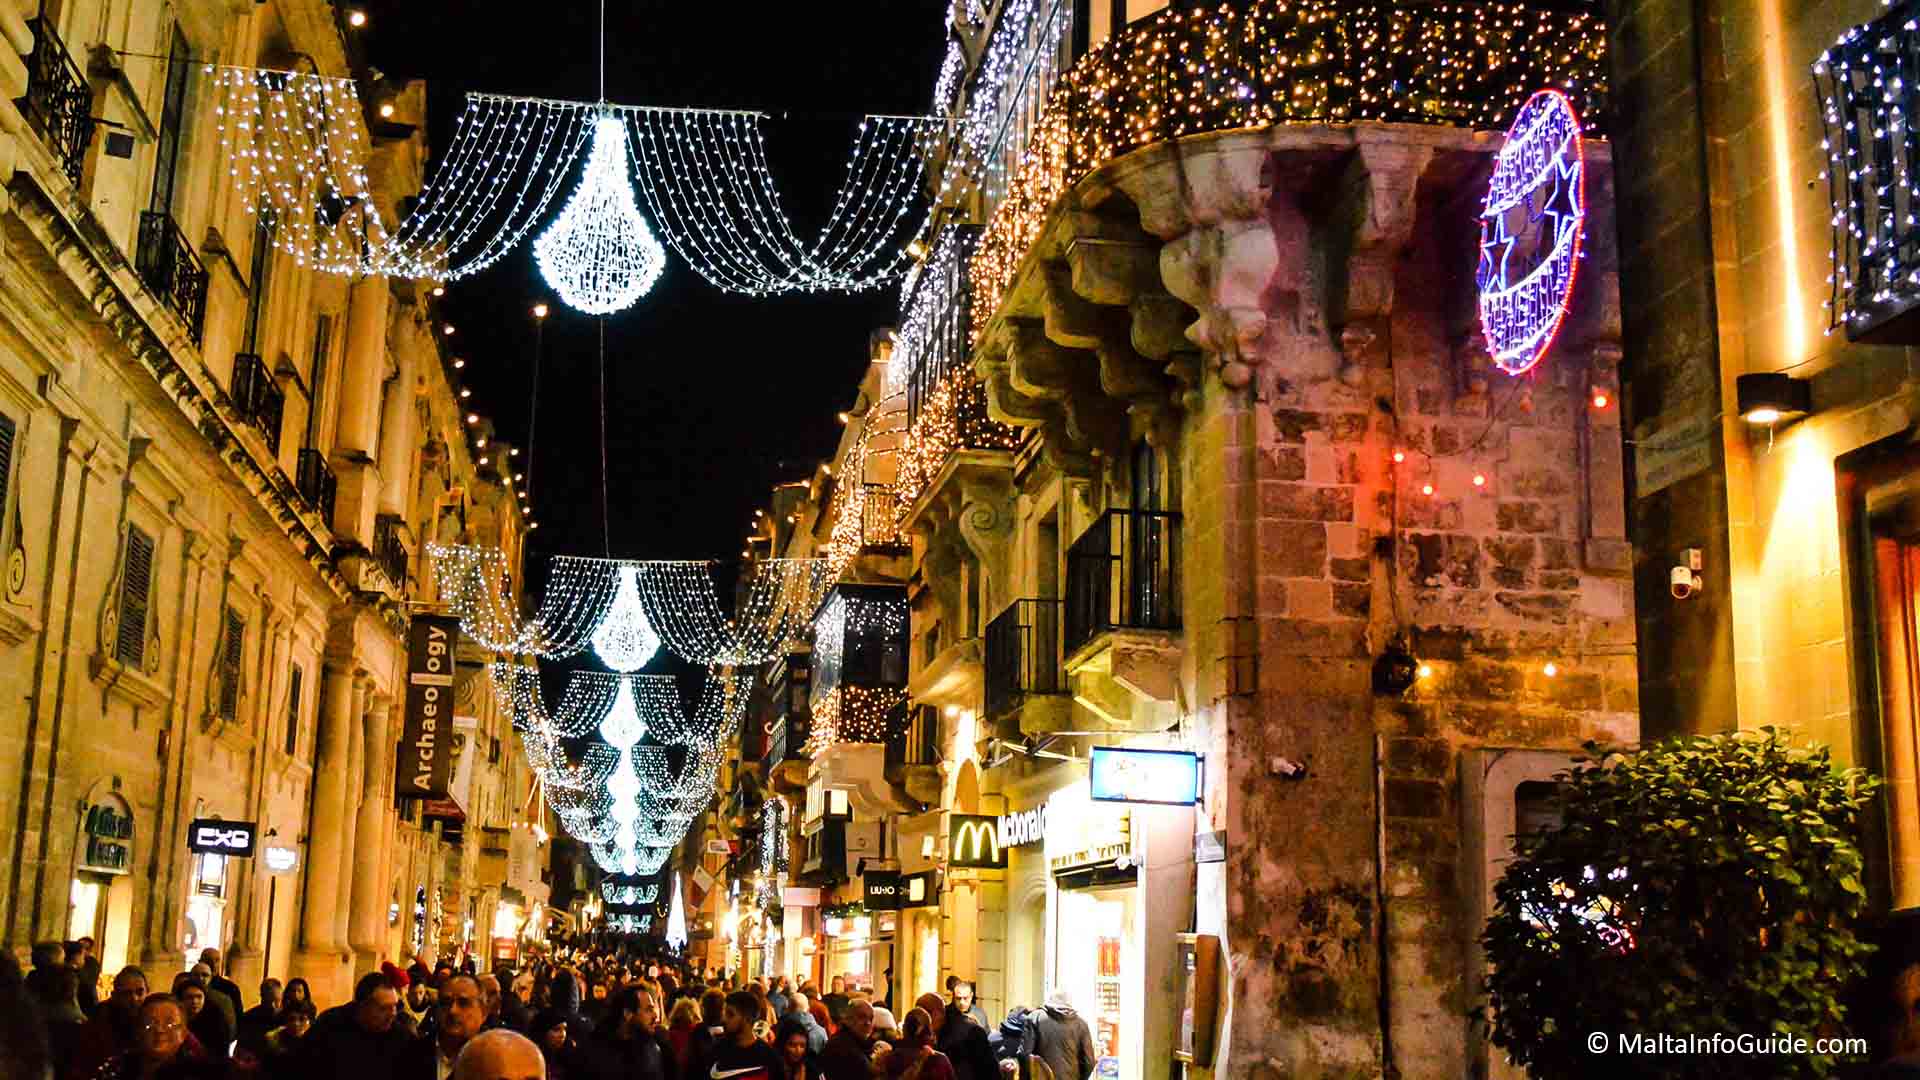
425,757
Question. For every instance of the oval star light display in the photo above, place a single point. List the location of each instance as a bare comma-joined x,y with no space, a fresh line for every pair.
1530,232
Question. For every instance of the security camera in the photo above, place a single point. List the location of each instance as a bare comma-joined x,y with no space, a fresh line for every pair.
1685,579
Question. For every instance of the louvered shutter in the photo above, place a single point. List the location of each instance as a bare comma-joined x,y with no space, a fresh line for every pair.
6,457
136,585
230,666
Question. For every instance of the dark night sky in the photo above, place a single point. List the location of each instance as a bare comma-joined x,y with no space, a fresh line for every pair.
712,397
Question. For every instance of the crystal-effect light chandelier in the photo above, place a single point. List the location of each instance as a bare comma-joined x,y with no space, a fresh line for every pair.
677,919
625,640
599,255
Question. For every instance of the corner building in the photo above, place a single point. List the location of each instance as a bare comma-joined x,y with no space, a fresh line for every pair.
1186,429
220,470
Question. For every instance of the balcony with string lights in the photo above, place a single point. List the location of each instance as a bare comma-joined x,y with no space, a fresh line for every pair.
858,697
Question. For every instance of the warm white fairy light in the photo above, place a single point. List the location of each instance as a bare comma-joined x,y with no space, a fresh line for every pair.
859,666
599,255
624,640
677,918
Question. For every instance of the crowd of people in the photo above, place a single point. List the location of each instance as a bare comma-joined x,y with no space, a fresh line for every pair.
580,1015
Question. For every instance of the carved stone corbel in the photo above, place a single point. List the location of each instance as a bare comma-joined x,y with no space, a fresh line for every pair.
1372,222
986,520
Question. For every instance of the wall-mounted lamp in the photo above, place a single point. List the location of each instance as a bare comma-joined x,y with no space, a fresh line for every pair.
1769,397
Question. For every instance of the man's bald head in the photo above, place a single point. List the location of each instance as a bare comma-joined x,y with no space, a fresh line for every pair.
935,1006
859,1018
499,1055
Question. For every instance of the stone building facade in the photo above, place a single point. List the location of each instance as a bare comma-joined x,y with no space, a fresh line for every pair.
1728,233
1216,435
220,471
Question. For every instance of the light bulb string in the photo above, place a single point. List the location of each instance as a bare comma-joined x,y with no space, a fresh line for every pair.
533,406
603,51
606,520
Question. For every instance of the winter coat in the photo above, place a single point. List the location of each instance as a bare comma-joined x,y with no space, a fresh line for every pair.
1060,1038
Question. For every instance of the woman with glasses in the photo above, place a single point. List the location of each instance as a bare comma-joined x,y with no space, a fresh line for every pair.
162,1050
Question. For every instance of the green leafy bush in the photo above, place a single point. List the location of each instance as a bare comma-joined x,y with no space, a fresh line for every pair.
1701,886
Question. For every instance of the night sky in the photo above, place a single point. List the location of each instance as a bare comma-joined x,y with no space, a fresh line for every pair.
712,397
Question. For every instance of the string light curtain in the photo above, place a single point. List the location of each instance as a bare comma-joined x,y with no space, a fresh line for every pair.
1325,61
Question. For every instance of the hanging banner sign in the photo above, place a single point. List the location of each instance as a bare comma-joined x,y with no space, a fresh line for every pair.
425,758
211,836
973,841
920,890
1119,774
882,890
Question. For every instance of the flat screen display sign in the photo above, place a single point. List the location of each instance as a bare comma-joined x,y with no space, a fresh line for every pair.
211,836
1119,774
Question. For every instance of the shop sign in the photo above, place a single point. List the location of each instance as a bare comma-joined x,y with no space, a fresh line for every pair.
1094,856
920,890
211,836
1023,827
882,890
425,761
1120,774
283,860
719,847
109,831
973,841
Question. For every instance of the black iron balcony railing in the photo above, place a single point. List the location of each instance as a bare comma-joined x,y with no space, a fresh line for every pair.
1124,573
315,481
258,397
388,549
1023,654
880,521
170,268
918,743
58,104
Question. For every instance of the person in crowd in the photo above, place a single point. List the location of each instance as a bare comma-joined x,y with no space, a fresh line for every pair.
48,959
416,1005
459,1012
89,968
628,1043
741,1052
683,1021
815,1007
23,1042
263,1017
849,1052
565,990
777,996
800,1013
284,1042
499,1055
516,1003
115,1027
418,971
711,1029
549,1032
885,1027
358,1041
914,1056
218,983
204,1018
793,1040
164,1050
965,1005
219,1003
296,992
836,1001
765,1017
490,1001
963,1042
1058,1036
57,1003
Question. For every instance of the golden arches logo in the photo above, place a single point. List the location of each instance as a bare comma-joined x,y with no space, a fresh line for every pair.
975,841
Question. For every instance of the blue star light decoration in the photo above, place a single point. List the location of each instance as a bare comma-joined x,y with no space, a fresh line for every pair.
1531,226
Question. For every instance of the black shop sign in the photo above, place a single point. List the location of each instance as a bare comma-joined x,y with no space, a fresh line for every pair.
424,763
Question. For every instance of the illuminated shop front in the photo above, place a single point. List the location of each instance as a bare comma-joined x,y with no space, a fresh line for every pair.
100,897
1119,889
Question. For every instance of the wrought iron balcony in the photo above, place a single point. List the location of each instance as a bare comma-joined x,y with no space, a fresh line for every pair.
315,480
59,104
1124,574
170,268
859,665
389,550
258,397
1023,654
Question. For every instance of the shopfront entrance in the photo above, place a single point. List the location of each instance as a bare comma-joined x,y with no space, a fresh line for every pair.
100,896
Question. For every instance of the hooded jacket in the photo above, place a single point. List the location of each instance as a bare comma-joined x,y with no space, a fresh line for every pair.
1058,1036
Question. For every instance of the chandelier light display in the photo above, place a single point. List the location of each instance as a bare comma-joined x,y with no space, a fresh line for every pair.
616,892
677,919
599,256
676,600
624,640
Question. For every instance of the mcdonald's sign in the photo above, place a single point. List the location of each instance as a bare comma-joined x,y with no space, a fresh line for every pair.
973,840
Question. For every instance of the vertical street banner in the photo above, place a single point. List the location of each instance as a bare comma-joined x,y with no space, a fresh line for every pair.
425,757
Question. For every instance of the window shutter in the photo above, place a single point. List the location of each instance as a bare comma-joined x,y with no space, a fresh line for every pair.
230,666
6,457
136,585
293,711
